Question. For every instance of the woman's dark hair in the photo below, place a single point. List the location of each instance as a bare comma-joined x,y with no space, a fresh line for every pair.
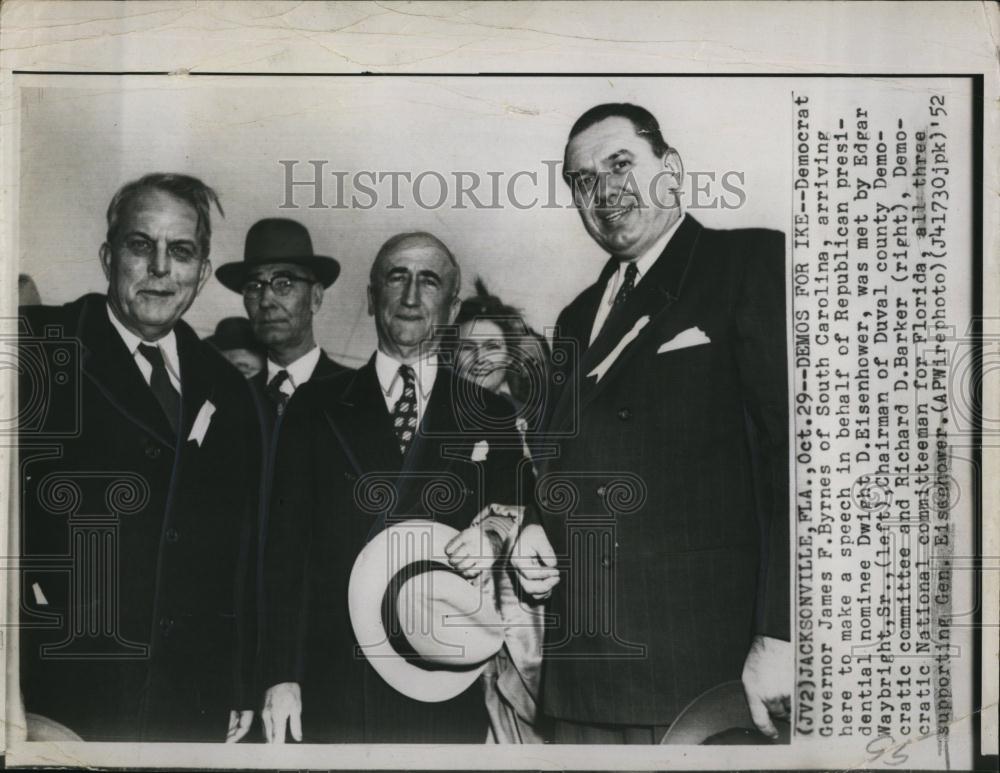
483,305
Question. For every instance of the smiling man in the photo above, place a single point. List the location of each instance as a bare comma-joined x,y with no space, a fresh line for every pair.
134,626
394,440
676,401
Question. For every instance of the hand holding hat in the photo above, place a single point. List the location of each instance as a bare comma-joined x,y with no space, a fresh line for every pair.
426,630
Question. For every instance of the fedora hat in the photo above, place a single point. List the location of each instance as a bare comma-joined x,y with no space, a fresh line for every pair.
277,240
425,629
720,717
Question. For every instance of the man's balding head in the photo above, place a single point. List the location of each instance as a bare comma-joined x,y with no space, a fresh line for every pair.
413,289
417,239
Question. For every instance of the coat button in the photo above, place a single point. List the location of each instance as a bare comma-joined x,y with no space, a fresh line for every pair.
173,535
166,625
152,452
624,414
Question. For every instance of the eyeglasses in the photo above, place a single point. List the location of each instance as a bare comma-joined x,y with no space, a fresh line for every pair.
280,285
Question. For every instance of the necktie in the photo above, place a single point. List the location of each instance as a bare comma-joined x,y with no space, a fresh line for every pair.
404,412
631,272
279,398
159,382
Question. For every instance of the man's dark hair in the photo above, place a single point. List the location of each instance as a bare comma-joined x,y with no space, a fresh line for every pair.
645,123
186,188
484,305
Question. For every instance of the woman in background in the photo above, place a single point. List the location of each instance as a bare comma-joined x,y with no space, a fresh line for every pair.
499,352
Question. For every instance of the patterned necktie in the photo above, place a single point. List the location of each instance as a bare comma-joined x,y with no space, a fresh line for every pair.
404,412
631,272
279,398
159,382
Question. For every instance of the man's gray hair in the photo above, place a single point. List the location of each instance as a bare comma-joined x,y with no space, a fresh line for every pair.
186,188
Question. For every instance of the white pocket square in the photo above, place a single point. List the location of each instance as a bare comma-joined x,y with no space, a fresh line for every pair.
40,599
201,422
693,336
480,451
628,338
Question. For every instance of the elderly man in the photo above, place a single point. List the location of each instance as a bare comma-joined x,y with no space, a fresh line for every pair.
282,284
138,483
673,432
402,437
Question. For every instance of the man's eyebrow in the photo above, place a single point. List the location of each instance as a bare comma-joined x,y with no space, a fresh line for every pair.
426,272
619,153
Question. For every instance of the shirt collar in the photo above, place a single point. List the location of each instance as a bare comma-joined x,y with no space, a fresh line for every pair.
167,345
300,371
387,370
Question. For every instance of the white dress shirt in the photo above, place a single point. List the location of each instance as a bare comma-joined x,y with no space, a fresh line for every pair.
642,264
299,372
387,370
167,346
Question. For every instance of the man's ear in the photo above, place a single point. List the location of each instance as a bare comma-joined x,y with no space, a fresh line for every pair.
317,297
675,168
456,304
106,258
371,302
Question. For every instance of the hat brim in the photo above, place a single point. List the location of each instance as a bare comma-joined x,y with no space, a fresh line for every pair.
718,716
381,559
234,275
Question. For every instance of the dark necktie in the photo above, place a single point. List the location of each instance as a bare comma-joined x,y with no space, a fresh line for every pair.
631,272
159,382
279,398
404,412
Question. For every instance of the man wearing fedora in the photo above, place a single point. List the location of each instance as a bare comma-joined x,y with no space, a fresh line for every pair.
282,283
672,429
137,491
403,437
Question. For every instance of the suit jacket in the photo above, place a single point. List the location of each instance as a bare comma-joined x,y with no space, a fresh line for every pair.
270,425
338,480
134,546
325,368
668,499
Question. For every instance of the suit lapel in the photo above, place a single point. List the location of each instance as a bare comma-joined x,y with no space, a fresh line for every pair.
425,455
325,367
653,297
360,419
196,381
576,328
107,362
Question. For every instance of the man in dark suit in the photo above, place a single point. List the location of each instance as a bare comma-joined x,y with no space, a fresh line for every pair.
672,434
282,283
139,461
402,437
